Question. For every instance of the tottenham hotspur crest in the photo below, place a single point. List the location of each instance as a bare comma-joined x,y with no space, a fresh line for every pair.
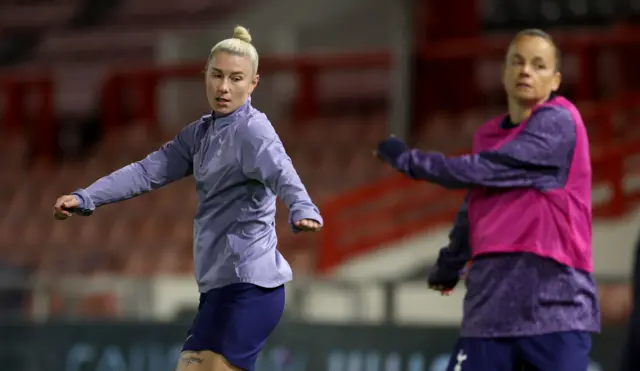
460,358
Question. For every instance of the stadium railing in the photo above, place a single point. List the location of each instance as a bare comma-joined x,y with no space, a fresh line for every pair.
585,46
143,83
383,200
417,206
19,87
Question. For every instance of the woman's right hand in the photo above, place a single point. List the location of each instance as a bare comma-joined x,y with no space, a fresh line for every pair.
61,210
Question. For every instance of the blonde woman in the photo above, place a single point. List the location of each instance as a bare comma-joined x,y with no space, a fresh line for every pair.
240,166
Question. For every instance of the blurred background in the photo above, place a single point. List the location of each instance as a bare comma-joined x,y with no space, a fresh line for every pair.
88,86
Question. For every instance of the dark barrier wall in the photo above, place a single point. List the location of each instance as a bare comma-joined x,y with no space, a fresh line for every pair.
155,347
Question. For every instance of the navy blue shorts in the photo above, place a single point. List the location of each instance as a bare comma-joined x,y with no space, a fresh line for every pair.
235,321
559,351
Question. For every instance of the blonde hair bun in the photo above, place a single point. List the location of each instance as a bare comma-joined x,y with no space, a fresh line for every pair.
239,44
242,33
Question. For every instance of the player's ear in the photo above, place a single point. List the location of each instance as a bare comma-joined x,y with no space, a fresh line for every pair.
557,80
254,82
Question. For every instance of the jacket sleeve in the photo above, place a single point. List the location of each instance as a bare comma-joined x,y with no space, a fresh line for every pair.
540,150
455,256
171,162
263,158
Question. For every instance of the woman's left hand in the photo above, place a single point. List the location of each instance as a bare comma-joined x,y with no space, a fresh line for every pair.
308,225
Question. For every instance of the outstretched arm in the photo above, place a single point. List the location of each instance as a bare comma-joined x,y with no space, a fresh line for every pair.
263,158
173,161
539,151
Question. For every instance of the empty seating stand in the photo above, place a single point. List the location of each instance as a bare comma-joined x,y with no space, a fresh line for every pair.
153,233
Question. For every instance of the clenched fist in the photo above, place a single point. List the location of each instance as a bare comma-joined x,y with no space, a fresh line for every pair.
308,225
61,210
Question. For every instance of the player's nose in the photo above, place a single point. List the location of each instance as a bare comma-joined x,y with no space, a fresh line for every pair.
525,71
223,87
